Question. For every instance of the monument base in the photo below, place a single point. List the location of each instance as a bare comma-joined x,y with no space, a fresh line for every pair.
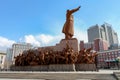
62,67
85,67
73,43
52,67
56,67
29,68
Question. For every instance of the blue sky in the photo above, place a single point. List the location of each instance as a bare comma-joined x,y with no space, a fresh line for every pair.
40,22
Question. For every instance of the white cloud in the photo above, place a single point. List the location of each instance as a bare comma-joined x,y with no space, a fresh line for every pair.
42,39
50,40
5,43
80,30
31,39
46,39
81,35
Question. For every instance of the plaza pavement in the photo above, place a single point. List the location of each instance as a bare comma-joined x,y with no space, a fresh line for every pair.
81,75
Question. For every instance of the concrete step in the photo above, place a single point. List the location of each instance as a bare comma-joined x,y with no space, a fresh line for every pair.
57,76
36,79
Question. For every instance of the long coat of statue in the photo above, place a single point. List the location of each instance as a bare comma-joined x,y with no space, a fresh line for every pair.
68,28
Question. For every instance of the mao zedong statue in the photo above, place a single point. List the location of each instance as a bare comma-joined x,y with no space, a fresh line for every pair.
68,28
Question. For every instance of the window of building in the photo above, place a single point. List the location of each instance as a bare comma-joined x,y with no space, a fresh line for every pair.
1,57
116,55
112,55
119,52
0,61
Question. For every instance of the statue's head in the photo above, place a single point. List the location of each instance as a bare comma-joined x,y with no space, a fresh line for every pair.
68,10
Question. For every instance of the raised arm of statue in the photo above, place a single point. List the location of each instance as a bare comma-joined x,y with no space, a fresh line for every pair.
74,10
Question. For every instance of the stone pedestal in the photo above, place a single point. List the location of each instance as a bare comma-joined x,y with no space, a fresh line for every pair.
51,67
85,67
73,43
62,67
30,68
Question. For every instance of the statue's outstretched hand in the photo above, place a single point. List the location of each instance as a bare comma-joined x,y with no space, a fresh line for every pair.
79,7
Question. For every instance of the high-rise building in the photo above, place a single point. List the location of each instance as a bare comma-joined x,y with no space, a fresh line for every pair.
97,45
8,60
111,35
18,48
81,45
9,54
93,32
104,32
100,45
86,45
